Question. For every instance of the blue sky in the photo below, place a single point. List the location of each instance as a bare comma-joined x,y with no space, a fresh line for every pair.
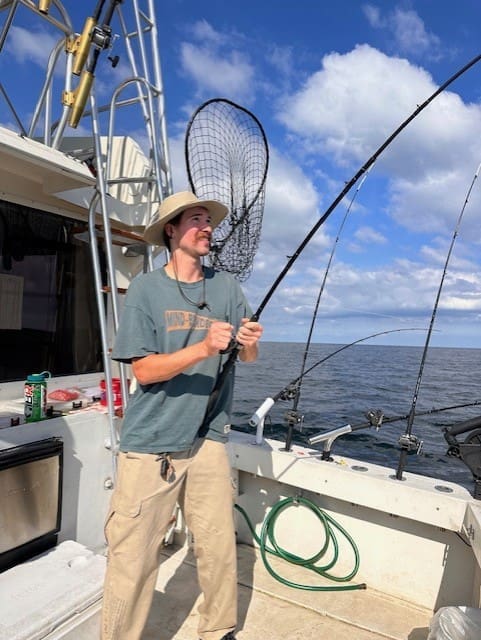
330,81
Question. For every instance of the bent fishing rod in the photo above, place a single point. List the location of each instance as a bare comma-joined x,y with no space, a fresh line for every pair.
408,441
348,186
290,390
298,383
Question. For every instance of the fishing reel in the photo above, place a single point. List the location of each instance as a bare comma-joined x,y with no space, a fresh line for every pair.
101,36
290,392
410,443
375,417
468,451
294,419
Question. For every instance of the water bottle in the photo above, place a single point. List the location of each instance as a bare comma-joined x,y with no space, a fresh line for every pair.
35,396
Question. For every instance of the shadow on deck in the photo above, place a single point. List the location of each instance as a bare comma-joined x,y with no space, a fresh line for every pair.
269,609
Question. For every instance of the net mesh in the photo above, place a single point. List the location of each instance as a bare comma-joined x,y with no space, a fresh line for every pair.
227,159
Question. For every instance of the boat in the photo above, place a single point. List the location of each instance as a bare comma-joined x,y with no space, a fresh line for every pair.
76,195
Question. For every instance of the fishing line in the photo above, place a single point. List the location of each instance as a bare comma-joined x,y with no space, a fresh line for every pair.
346,346
409,442
314,315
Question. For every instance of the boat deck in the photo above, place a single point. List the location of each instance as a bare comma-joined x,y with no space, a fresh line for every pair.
269,609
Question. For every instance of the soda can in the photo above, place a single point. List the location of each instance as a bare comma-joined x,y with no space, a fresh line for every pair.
35,396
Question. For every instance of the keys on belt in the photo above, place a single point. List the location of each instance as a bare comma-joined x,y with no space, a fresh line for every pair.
167,469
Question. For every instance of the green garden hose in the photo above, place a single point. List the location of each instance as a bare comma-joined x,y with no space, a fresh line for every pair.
267,533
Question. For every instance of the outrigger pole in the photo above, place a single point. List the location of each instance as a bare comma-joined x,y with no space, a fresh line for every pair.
348,186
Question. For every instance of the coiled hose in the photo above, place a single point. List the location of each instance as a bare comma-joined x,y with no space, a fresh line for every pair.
267,534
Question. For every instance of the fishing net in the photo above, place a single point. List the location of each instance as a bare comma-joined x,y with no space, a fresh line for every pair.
227,158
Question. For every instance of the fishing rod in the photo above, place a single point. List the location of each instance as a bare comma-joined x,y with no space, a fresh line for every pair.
100,37
229,363
289,391
419,414
376,418
408,441
294,418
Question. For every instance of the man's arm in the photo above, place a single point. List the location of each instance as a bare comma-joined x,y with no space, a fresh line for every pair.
159,367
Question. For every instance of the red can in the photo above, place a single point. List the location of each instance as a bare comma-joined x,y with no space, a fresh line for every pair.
116,390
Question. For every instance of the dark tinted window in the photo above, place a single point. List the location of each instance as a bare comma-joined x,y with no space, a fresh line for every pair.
48,311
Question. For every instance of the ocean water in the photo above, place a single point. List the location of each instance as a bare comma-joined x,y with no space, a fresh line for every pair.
360,378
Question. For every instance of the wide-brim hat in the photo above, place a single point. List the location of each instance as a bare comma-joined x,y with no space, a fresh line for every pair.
175,204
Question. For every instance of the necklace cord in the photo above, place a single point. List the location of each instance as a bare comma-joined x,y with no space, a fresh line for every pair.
202,302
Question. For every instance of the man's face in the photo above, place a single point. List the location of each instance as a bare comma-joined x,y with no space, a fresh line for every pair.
193,231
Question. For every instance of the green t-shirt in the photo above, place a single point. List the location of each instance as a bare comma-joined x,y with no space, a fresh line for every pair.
156,318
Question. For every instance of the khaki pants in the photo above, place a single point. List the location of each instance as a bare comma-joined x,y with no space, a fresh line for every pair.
141,508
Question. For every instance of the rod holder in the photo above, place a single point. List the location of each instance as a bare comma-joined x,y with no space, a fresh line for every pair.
44,5
80,97
328,438
82,46
261,412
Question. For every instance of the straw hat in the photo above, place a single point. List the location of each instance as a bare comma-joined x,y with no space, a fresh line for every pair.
174,204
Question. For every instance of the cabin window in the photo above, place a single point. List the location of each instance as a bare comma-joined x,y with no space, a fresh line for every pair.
48,309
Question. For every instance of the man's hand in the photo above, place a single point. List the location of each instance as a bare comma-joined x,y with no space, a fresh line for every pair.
248,336
249,333
218,337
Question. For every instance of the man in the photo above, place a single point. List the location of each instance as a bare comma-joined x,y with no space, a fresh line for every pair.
176,322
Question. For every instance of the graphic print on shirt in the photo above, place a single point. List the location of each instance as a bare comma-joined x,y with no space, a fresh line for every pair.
186,321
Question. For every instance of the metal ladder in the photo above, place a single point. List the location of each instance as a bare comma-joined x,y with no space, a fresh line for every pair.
147,81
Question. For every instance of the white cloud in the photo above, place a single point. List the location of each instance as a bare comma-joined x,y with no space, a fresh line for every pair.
232,76
354,102
373,15
28,46
212,60
349,108
407,30
369,235
204,31
282,59
410,32
292,203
